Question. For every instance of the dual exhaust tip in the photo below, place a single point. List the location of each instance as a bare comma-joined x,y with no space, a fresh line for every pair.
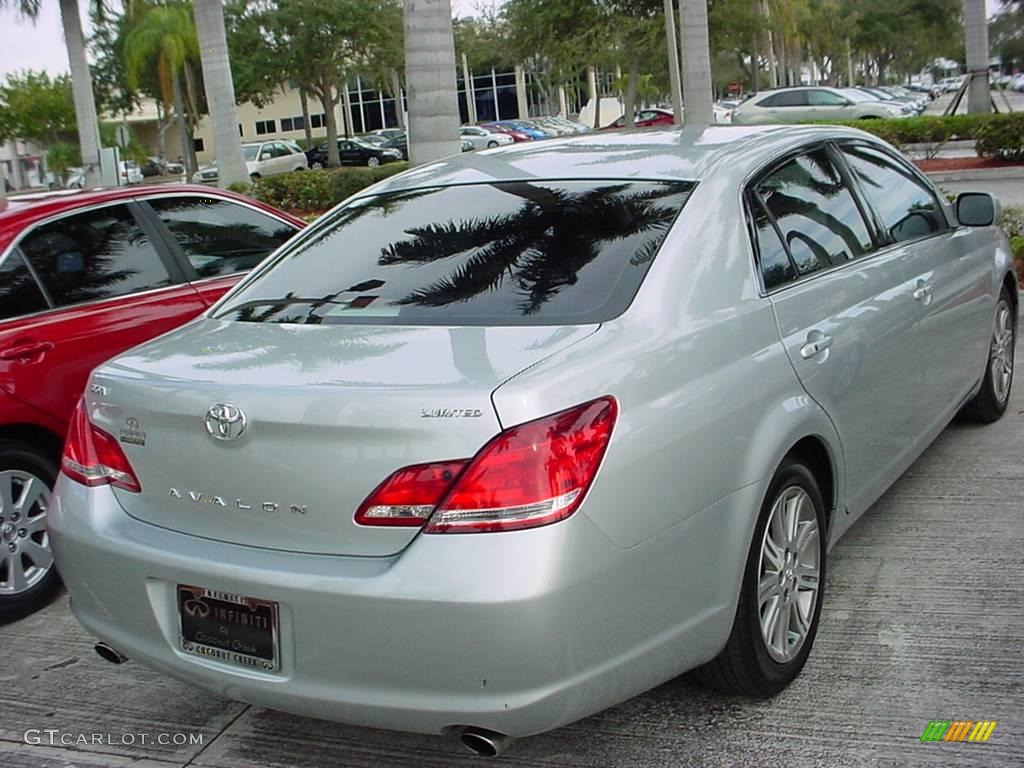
482,742
479,741
109,653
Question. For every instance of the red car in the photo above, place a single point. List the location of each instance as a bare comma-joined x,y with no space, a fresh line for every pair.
83,277
644,118
517,136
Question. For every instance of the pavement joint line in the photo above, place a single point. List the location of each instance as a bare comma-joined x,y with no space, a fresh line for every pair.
101,752
191,760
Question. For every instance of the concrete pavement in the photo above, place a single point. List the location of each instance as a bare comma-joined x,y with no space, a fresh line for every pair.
923,620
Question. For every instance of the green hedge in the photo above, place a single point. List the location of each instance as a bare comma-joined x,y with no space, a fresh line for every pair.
313,191
933,130
1001,136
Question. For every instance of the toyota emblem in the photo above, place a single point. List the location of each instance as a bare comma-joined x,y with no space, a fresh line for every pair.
225,421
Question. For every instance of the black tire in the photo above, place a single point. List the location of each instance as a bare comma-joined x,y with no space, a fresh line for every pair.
988,406
492,144
255,177
16,455
745,666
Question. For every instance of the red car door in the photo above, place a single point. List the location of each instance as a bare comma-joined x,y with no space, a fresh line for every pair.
217,239
107,288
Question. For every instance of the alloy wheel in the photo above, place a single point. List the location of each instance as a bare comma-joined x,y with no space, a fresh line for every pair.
789,572
25,556
1001,353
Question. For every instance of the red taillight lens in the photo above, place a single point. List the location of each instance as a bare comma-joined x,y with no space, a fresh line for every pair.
410,494
93,457
530,475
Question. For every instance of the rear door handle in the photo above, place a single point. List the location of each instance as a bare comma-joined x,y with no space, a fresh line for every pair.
26,351
816,344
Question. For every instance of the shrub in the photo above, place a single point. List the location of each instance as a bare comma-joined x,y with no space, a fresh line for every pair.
1001,136
1012,223
316,191
240,187
933,131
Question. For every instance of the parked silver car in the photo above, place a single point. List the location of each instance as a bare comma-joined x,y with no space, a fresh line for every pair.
507,439
796,105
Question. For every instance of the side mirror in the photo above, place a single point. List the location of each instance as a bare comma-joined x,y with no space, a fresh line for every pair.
977,209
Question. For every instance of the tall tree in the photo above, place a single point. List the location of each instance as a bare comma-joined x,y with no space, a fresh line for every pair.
430,78
220,91
693,20
979,101
164,38
85,105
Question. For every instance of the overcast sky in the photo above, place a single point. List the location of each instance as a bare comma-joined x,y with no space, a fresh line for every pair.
24,45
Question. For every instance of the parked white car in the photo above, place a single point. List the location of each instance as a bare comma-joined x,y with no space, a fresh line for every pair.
266,158
481,138
129,172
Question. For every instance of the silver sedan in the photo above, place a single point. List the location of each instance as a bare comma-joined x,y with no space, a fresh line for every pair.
510,438
481,138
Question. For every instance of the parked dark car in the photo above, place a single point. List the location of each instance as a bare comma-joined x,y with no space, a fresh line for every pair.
401,143
353,152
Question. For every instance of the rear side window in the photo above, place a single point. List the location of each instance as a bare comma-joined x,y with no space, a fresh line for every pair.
508,253
220,237
19,292
97,254
907,208
816,212
789,99
776,268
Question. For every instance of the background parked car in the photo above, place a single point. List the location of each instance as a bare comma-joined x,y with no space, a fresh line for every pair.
522,126
481,138
803,104
129,172
644,118
517,136
353,152
267,158
84,276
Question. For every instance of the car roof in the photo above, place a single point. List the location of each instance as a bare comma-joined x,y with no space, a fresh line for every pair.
671,153
23,210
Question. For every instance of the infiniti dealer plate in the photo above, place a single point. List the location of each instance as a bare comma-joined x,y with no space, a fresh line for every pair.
230,628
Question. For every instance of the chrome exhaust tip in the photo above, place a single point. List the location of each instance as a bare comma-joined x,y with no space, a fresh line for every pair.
482,742
109,653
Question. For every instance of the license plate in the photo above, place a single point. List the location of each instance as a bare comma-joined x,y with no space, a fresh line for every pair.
230,628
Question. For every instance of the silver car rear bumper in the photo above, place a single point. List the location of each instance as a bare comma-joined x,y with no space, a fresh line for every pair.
516,632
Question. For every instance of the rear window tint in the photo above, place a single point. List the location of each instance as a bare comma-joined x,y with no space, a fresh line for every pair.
508,253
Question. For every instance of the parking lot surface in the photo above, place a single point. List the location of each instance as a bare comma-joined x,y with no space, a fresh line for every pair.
923,620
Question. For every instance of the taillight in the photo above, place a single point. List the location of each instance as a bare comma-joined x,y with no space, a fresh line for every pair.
93,457
410,494
530,475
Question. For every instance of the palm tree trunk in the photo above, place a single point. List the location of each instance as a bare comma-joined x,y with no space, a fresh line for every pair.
220,92
396,91
179,116
630,95
304,101
81,87
693,18
675,81
3,185
979,98
331,124
430,80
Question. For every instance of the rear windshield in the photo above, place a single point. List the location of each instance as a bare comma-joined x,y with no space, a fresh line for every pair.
509,253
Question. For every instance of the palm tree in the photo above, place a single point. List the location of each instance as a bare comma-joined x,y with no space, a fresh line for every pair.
166,35
220,91
693,19
81,80
430,80
979,100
